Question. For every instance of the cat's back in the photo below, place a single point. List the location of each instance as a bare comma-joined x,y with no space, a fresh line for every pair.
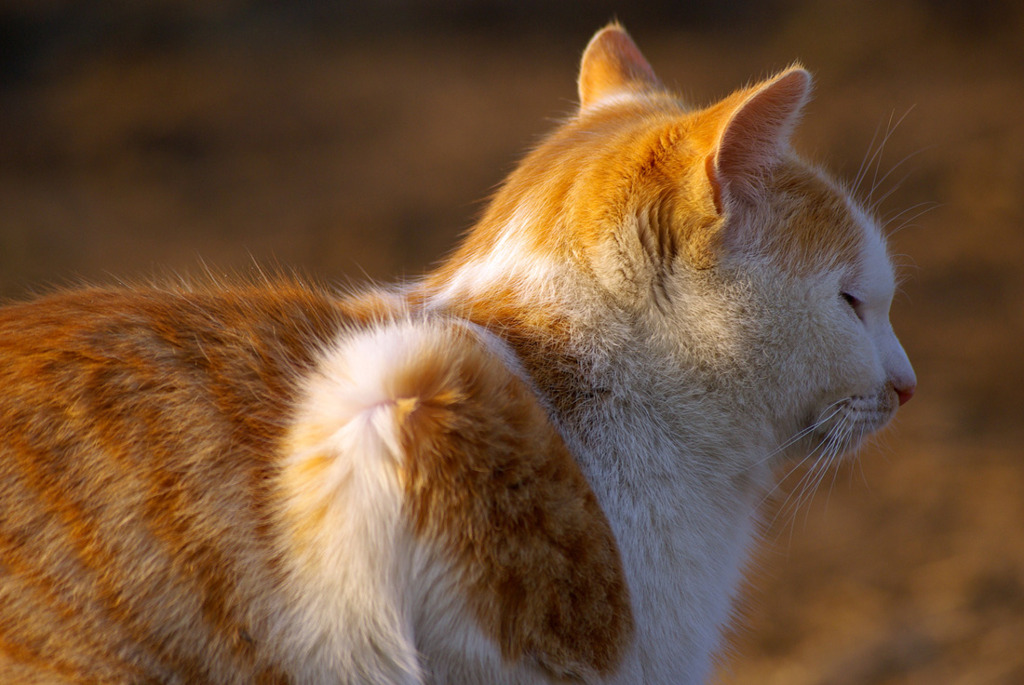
268,483
133,371
139,428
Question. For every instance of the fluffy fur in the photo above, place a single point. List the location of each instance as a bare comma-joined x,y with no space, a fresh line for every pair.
540,463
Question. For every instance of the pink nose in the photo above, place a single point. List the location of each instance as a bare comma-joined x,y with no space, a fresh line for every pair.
905,393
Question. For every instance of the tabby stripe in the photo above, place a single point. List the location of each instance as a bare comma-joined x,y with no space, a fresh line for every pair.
170,512
24,655
42,582
90,555
252,434
45,588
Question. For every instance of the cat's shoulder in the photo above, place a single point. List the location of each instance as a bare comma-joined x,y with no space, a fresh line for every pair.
431,414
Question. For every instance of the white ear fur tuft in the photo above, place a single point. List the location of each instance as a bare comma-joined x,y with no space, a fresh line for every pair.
757,133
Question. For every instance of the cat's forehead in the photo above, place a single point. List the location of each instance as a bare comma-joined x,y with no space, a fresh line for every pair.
817,226
878,279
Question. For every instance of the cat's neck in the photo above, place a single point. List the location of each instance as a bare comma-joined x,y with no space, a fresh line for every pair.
666,457
605,376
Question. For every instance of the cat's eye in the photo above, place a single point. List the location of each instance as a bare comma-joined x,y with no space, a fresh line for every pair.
855,304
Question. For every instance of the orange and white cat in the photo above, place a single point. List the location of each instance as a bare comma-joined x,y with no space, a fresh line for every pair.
540,463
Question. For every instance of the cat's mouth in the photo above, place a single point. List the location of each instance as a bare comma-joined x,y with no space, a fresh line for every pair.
843,425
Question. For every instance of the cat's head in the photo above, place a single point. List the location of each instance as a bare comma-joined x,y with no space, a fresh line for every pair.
703,226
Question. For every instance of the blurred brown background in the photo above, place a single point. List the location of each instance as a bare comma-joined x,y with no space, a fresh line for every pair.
353,140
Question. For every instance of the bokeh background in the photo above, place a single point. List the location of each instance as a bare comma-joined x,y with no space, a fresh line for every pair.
357,140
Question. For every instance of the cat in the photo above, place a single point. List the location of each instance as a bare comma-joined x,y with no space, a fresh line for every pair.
541,462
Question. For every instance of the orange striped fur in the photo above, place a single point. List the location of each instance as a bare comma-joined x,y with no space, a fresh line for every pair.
540,463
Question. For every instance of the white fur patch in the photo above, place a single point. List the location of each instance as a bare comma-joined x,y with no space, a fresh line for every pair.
877,286
350,611
613,99
367,601
507,262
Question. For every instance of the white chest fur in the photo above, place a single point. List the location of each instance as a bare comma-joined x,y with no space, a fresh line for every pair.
683,524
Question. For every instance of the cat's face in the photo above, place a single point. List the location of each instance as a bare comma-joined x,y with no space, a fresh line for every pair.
707,224
879,377
793,309
768,271
703,226
823,282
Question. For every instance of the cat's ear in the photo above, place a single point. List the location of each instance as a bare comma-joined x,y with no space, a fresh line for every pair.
754,133
612,64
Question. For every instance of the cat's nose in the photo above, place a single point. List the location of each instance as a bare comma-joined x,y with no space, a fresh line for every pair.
905,392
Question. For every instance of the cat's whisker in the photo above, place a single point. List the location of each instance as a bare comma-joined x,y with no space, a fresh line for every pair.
832,485
803,492
784,509
925,207
920,209
862,432
832,447
779,483
875,148
820,470
902,263
865,163
835,444
890,130
833,409
875,203
810,456
805,488
833,464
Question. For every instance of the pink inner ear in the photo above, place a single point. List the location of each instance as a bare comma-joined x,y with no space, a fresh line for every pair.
611,63
758,132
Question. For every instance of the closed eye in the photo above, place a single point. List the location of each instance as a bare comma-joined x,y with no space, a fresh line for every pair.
855,304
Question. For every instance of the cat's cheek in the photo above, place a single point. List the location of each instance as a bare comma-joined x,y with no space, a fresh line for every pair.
847,364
